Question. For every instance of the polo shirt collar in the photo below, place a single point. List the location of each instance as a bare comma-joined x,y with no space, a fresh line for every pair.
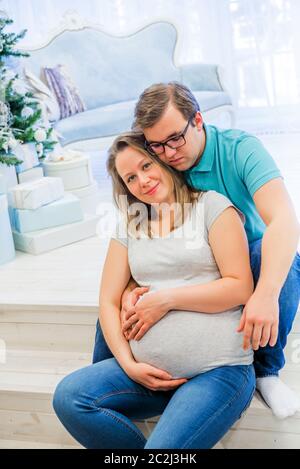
207,159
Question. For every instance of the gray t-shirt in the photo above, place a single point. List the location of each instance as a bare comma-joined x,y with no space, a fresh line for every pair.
185,343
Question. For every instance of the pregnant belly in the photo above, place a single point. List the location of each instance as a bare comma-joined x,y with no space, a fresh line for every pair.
186,343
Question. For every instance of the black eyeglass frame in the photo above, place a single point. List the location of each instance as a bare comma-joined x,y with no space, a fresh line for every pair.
165,143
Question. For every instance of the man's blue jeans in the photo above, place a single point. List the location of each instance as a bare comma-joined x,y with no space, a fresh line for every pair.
267,360
97,404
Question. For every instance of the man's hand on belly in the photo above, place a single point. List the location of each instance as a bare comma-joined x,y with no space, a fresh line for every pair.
128,302
146,312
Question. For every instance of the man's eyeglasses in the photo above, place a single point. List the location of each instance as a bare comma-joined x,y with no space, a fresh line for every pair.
157,148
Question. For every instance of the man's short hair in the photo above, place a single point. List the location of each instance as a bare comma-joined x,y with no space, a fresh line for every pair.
154,100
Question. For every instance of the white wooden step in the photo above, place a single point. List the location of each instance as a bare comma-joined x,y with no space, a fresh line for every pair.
71,328
20,444
65,328
28,380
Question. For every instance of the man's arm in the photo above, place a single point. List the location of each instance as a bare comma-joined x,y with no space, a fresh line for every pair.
279,245
130,286
280,240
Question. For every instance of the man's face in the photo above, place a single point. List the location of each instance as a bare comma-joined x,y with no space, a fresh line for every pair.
172,124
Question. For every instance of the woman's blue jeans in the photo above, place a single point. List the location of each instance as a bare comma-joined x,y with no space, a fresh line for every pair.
267,360
97,404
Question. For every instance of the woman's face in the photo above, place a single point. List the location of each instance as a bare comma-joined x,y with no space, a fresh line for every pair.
144,178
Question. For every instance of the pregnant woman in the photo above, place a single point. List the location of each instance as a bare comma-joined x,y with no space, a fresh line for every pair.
190,367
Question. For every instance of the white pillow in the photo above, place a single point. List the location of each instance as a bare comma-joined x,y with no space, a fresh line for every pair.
44,95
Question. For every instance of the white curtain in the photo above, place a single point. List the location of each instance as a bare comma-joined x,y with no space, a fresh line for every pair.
256,41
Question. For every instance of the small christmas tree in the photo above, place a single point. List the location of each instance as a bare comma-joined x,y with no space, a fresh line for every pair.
20,113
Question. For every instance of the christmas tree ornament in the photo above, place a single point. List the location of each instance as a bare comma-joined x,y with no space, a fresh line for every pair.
40,135
12,143
27,112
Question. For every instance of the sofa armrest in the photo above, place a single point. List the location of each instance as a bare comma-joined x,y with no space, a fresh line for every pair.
201,77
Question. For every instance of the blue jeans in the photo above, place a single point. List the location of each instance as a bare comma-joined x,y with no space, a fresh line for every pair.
267,360
97,404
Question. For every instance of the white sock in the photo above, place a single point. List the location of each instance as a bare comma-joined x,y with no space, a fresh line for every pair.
280,398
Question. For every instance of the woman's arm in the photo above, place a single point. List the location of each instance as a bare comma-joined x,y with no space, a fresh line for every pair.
229,244
115,277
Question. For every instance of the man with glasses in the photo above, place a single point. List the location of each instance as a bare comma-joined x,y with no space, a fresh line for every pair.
237,165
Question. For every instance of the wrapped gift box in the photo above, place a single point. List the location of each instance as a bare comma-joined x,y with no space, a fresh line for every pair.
62,211
2,184
75,172
8,177
28,154
37,242
89,196
31,174
35,194
7,248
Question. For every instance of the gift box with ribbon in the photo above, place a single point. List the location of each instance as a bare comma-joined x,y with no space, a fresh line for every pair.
27,153
31,174
35,194
72,166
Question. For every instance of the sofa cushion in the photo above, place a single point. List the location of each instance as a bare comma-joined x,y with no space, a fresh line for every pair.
116,118
65,90
212,99
43,94
96,123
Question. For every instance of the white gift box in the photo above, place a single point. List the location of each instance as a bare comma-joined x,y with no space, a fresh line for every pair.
35,194
89,196
75,172
8,177
7,248
37,242
31,174
28,154
2,184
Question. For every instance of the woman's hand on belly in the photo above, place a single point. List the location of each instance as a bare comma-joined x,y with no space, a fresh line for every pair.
153,378
148,311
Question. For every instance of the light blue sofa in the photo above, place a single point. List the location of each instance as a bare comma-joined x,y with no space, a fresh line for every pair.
110,73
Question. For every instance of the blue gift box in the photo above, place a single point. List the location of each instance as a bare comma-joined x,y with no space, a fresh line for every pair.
65,210
7,248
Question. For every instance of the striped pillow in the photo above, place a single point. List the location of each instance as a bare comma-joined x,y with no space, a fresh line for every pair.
67,95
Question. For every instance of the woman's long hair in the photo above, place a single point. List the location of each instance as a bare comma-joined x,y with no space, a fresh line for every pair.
182,192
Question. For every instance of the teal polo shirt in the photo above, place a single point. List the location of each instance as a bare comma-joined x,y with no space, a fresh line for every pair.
236,164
